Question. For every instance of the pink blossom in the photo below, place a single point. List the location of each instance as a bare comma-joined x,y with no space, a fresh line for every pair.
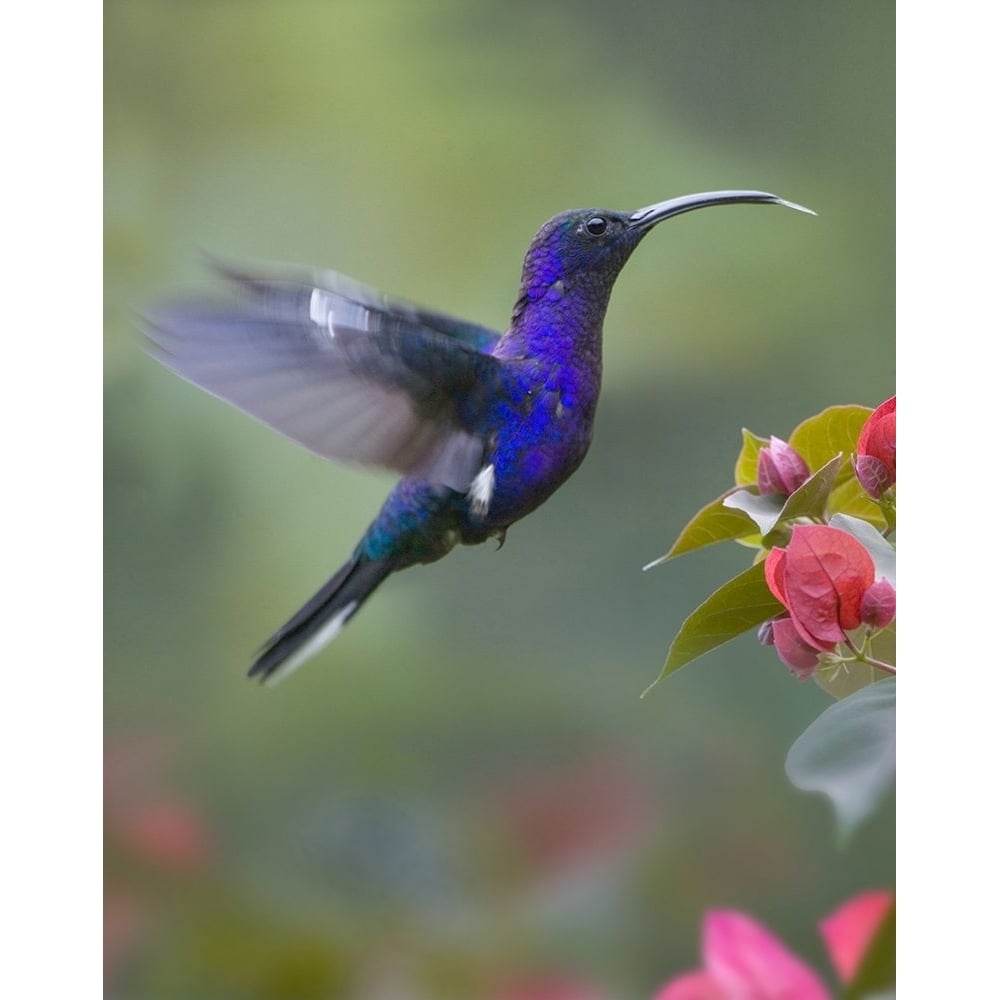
875,462
743,960
796,654
820,578
849,930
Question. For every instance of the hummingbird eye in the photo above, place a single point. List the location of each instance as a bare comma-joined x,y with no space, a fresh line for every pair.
597,226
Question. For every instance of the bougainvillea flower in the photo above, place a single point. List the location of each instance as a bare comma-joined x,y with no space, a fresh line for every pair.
872,475
780,468
878,604
849,930
692,986
820,578
878,435
800,657
875,461
742,960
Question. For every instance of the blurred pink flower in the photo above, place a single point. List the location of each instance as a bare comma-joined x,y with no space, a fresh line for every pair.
142,816
148,831
166,832
744,961
575,815
693,986
849,930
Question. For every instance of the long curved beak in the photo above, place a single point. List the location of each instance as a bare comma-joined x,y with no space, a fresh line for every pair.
646,218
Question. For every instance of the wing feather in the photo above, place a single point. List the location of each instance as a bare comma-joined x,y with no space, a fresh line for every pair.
348,373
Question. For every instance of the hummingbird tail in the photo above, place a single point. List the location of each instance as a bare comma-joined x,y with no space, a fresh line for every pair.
320,619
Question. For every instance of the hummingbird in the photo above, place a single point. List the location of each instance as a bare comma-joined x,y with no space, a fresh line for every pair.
483,425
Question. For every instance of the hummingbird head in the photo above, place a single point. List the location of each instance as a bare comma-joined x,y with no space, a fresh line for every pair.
586,249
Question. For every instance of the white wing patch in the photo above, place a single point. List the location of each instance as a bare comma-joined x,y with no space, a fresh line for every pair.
332,311
481,490
321,311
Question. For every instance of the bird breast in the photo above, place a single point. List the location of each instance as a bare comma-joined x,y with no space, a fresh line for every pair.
538,445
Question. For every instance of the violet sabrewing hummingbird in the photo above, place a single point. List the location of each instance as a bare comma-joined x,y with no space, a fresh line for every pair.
485,426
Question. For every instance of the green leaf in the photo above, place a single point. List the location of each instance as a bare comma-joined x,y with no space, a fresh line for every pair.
882,553
818,439
832,432
713,523
809,500
737,606
849,754
849,498
746,462
762,510
844,679
884,644
877,972
835,431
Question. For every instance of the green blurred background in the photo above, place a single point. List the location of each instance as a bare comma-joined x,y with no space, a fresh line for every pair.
464,796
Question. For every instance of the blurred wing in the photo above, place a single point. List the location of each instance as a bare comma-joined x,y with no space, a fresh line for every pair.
338,368
293,293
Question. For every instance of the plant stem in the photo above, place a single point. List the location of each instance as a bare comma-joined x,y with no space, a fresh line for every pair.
864,657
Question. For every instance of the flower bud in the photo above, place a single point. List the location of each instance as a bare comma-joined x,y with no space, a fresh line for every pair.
878,604
872,474
780,468
765,634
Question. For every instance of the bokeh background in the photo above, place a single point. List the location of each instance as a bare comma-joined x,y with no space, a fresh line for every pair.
464,796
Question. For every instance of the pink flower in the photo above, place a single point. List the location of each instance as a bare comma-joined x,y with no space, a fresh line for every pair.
849,930
780,468
820,578
745,961
875,462
826,581
796,654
